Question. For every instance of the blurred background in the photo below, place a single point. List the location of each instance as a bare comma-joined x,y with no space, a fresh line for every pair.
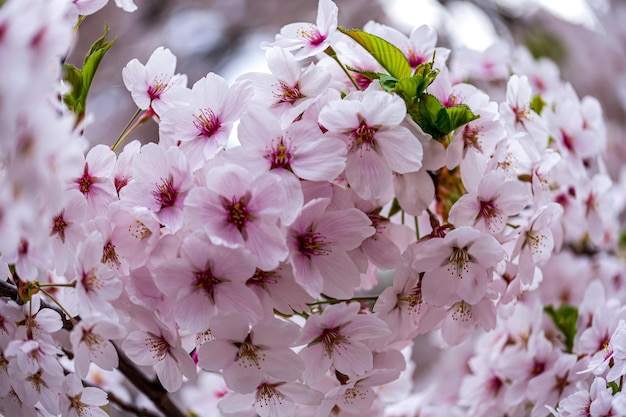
586,38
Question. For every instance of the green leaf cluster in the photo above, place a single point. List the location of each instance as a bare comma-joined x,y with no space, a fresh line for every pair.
564,318
425,109
80,79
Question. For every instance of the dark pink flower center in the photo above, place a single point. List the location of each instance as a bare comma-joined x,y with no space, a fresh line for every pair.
312,244
280,155
471,138
568,140
58,226
415,58
488,210
362,136
312,35
332,338
85,182
109,255
157,88
288,94
165,194
262,278
237,212
206,281
206,122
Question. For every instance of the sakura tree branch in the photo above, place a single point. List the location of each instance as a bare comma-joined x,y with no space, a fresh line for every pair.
152,389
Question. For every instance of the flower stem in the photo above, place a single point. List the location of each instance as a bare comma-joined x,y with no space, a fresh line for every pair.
55,301
336,301
331,53
130,127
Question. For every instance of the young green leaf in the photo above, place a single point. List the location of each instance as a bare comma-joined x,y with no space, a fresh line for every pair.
437,120
80,79
564,318
387,54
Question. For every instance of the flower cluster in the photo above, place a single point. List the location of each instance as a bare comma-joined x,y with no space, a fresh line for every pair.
375,194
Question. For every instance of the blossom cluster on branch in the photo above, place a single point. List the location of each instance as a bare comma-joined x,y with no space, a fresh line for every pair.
281,244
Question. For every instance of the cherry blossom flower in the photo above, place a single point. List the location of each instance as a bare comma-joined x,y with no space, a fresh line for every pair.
457,265
489,208
240,210
246,354
369,124
277,289
95,181
271,398
318,242
154,85
96,284
537,241
78,401
161,181
301,148
67,229
289,90
159,345
338,337
202,127
91,343
210,278
309,39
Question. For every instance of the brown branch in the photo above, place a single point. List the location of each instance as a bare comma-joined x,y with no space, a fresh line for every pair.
152,389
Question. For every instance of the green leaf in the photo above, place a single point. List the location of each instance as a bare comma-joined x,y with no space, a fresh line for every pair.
388,55
93,58
395,208
372,75
74,78
80,79
437,120
537,103
564,318
460,115
614,387
388,83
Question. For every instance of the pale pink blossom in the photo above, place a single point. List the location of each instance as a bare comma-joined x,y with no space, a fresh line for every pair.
246,354
277,289
67,229
91,342
289,90
79,401
96,284
370,125
161,181
159,345
337,337
301,148
271,398
489,207
537,241
318,242
210,278
202,127
95,181
238,209
459,265
154,85
309,39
